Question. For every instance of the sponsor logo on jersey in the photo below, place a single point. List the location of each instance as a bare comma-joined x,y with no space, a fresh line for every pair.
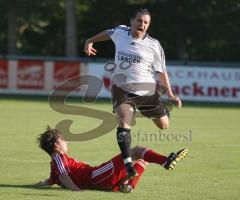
128,57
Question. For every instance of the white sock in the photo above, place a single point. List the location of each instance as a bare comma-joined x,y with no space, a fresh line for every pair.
127,160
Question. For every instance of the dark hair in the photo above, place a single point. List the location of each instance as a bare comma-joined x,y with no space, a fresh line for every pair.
142,11
48,139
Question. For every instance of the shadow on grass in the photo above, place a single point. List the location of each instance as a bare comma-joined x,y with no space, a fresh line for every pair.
45,188
29,187
45,195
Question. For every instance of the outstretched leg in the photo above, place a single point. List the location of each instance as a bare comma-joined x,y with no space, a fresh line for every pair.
142,156
151,156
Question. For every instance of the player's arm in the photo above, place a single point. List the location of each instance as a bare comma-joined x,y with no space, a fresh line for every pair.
67,182
161,71
88,49
164,79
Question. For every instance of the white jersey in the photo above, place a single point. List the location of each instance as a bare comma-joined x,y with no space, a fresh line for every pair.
136,60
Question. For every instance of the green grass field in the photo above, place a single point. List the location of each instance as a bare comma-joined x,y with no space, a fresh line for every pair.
211,170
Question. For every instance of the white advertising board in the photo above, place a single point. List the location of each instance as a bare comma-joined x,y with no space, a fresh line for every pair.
192,83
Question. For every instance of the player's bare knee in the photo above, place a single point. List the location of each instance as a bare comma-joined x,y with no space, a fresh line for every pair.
123,123
162,123
163,126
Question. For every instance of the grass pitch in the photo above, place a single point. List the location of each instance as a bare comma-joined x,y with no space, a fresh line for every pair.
211,170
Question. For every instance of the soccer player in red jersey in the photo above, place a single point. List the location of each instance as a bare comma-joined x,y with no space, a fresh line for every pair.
111,175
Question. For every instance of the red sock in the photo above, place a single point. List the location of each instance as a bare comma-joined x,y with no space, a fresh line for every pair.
140,166
150,156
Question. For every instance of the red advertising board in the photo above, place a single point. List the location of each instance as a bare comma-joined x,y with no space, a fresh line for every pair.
30,74
64,71
3,74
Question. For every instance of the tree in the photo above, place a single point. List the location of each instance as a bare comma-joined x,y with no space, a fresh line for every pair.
188,30
71,35
12,27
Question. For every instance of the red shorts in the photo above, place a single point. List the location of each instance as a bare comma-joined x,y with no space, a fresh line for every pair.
108,174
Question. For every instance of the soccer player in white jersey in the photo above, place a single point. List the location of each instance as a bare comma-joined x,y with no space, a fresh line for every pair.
135,81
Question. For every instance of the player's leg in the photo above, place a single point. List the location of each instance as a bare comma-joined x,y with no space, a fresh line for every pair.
156,109
162,114
140,166
124,184
151,156
162,122
147,155
124,113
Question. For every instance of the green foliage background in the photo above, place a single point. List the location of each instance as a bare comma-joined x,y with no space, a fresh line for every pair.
187,29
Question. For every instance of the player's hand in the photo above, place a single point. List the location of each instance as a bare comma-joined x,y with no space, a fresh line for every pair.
177,100
41,183
89,50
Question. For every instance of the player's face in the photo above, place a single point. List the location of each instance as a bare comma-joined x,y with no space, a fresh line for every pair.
139,25
62,145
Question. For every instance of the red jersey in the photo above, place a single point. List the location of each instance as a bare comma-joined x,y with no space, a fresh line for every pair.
79,172
106,176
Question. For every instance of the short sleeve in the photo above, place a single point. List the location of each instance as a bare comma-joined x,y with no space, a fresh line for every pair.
115,33
60,164
159,63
